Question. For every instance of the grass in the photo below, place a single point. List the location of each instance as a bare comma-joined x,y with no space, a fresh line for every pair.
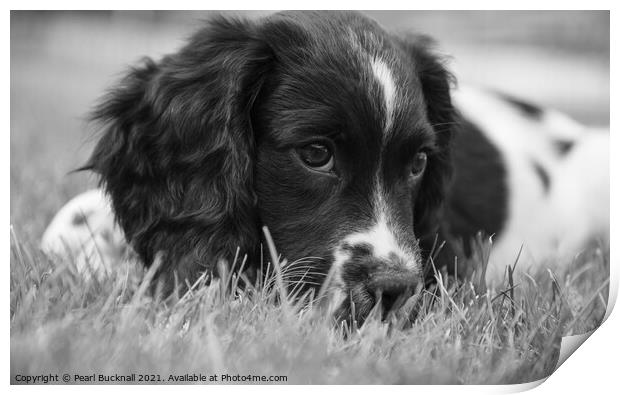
62,322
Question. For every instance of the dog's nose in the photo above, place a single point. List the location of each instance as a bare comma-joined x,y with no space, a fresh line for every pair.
393,286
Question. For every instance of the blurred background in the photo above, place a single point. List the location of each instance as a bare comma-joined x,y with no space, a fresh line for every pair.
61,62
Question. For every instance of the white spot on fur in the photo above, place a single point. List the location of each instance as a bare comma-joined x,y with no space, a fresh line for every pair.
385,78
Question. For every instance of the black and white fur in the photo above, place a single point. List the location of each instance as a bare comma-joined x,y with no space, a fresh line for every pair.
203,148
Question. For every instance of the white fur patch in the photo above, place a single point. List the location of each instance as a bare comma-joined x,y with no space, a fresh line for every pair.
384,243
385,78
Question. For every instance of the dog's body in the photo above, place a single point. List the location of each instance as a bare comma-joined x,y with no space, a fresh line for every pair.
343,140
551,187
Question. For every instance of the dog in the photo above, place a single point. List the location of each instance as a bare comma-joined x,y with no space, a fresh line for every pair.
352,145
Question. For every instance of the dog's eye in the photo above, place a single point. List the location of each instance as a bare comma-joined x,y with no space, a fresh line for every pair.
419,163
317,156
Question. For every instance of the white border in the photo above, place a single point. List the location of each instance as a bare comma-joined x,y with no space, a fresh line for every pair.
592,369
313,5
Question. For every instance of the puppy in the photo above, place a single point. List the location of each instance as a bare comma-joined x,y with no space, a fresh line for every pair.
350,144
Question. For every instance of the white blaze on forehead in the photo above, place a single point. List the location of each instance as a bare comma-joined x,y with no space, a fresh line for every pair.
385,78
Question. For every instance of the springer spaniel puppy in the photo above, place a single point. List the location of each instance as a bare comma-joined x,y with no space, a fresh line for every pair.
347,142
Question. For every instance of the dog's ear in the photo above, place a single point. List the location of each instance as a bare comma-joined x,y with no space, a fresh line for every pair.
176,155
436,81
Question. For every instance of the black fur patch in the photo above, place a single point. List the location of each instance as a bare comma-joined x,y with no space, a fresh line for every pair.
543,175
563,147
526,108
478,197
80,219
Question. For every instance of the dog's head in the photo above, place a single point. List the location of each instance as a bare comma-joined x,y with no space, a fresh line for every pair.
321,126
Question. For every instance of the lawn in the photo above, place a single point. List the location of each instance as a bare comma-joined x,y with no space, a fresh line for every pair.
62,322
